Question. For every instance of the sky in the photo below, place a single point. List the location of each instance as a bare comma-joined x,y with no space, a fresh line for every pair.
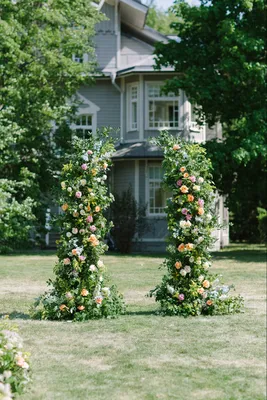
167,3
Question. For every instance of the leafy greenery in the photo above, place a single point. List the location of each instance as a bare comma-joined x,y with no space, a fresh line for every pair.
189,288
131,221
206,357
38,75
262,217
160,20
221,66
79,292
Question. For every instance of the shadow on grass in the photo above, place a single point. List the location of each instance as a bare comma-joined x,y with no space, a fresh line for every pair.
146,313
245,256
15,315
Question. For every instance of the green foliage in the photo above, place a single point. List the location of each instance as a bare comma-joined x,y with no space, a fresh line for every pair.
221,66
16,217
79,292
14,367
262,218
160,20
189,288
38,77
130,220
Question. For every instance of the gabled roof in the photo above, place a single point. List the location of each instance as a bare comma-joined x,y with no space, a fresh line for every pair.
145,65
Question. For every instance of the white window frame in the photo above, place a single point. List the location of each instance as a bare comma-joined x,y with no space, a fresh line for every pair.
82,126
87,107
148,180
130,100
161,98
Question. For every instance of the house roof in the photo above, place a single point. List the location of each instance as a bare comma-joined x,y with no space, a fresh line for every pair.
145,65
137,150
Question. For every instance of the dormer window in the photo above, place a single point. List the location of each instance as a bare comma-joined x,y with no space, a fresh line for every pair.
133,106
162,110
83,126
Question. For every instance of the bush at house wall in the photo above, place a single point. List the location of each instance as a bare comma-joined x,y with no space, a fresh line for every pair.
188,287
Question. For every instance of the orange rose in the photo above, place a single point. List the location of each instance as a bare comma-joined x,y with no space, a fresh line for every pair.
62,307
84,292
189,246
181,247
93,240
65,207
98,300
200,211
97,209
74,252
81,308
176,147
206,284
105,165
190,197
88,208
186,175
182,169
209,302
184,189
200,290
178,264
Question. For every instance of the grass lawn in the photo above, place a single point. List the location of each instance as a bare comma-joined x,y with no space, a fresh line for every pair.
141,356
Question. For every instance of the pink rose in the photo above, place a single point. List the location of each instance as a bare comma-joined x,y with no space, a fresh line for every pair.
82,258
78,195
188,217
181,297
179,182
184,211
200,202
89,219
66,261
92,228
84,167
192,178
89,152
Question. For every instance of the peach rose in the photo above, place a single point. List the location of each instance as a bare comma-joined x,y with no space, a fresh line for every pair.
190,197
206,284
94,172
178,264
98,300
88,208
184,189
201,290
181,247
75,214
186,175
62,307
189,246
81,308
65,207
209,302
200,211
182,169
105,165
74,252
97,209
84,292
176,147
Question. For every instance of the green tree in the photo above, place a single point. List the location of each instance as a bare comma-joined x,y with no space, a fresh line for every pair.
161,20
221,65
38,75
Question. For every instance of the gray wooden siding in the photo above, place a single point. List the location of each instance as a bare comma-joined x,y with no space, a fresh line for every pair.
215,132
123,176
142,182
133,50
107,98
106,39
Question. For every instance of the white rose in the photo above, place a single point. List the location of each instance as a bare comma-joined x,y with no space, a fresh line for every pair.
82,212
68,234
200,180
100,264
208,217
200,278
188,224
83,182
104,177
187,268
80,206
74,231
206,265
182,224
183,272
196,188
191,259
106,291
170,289
92,268
69,189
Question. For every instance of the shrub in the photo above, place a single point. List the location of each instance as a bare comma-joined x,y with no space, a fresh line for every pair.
130,220
262,218
79,291
14,367
188,288
16,217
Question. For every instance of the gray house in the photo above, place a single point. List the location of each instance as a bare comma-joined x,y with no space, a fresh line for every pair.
127,96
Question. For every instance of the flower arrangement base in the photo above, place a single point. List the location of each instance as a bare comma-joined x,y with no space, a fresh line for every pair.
188,287
80,291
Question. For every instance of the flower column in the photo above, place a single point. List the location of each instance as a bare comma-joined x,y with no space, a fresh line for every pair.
79,291
189,288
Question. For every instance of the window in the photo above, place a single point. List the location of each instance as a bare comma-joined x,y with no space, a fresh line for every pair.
77,58
162,109
157,196
133,94
83,125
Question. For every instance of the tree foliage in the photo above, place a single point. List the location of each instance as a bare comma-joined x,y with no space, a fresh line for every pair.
221,65
37,76
160,20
